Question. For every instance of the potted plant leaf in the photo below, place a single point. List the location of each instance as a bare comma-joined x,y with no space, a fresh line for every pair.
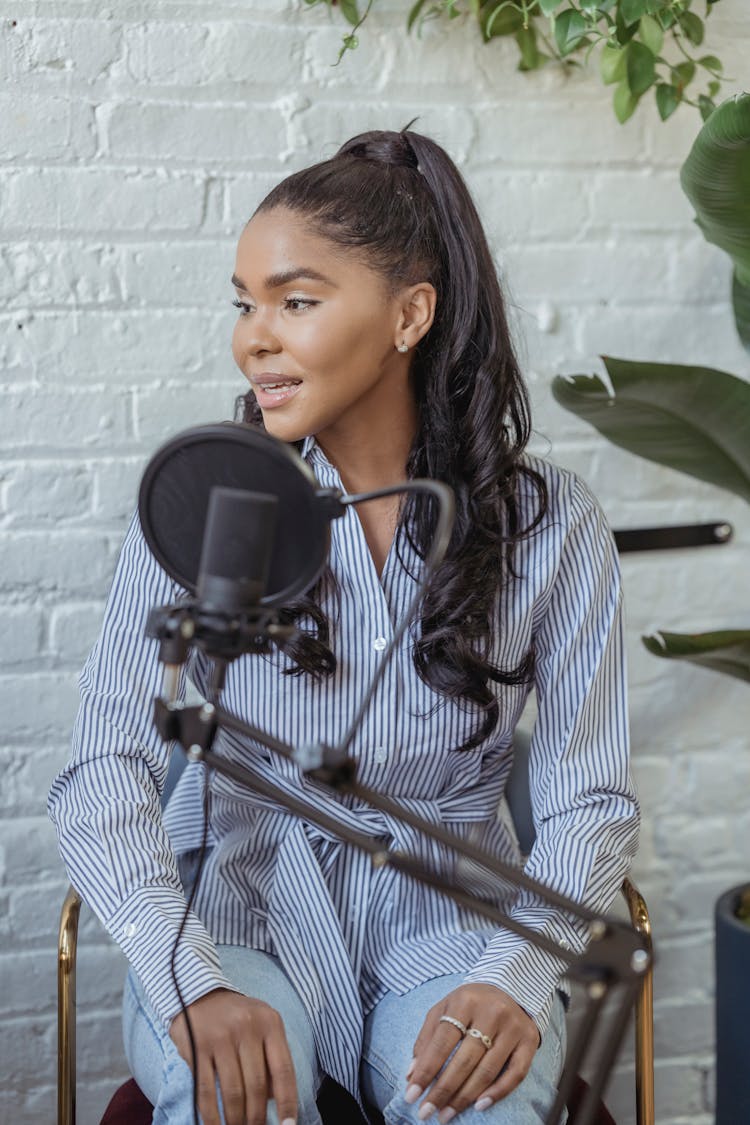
697,420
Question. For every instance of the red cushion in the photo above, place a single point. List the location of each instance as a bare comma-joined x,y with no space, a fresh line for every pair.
130,1107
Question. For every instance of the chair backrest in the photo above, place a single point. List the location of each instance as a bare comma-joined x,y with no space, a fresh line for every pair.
518,791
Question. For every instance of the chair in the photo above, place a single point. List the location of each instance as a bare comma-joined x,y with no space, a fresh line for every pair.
129,1107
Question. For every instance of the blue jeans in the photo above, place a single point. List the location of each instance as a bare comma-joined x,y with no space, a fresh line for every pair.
389,1032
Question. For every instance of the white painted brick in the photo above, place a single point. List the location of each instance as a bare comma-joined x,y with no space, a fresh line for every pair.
529,131
117,484
165,132
100,346
63,273
85,50
70,562
167,53
47,128
163,412
192,274
522,205
30,849
47,494
663,333
639,200
89,419
73,629
21,636
90,198
597,271
39,706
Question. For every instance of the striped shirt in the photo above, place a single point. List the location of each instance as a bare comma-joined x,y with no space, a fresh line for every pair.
347,932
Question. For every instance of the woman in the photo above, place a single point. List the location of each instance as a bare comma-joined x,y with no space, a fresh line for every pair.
372,331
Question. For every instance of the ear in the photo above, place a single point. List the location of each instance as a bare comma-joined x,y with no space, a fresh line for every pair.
417,313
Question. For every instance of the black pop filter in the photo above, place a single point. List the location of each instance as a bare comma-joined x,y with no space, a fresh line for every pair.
175,491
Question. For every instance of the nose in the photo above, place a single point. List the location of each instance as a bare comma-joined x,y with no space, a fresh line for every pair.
255,335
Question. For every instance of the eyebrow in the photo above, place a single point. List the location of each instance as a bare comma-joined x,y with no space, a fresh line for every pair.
276,280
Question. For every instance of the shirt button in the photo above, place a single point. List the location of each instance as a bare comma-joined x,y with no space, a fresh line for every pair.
381,755
380,644
129,930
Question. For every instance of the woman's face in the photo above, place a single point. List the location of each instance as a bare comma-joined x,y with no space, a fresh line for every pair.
317,334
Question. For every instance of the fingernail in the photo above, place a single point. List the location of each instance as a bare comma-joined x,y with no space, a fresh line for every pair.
412,1093
411,1068
483,1103
426,1111
288,1121
446,1115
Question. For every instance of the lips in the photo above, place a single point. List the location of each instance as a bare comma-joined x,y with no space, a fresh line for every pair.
272,389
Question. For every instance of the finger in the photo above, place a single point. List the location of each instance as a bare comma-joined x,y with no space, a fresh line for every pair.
205,1079
428,1027
432,1058
231,1078
252,1065
471,1063
282,1079
517,1068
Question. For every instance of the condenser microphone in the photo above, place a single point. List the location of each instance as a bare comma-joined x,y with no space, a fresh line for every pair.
238,543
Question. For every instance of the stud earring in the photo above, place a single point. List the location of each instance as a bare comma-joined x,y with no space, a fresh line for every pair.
402,348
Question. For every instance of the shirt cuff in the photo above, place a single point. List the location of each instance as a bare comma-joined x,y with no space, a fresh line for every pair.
145,927
529,975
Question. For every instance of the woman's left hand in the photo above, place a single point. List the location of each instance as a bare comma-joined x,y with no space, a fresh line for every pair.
476,1074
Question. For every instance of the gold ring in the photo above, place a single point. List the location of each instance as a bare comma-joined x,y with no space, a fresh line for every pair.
456,1023
475,1033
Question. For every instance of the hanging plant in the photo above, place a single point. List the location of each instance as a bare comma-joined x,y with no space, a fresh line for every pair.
642,45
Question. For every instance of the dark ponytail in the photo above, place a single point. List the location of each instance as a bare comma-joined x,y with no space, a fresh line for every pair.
398,200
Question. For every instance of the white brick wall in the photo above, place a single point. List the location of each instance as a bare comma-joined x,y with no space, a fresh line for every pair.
134,141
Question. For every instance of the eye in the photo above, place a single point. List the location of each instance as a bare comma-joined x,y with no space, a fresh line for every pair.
299,304
244,308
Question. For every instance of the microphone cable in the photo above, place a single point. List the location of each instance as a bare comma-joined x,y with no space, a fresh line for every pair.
173,957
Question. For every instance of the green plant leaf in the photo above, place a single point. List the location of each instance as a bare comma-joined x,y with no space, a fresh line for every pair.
623,30
570,28
727,650
349,11
711,63
632,10
531,59
624,102
641,68
692,25
499,19
685,72
414,13
716,179
612,63
667,100
548,6
706,106
650,31
693,419
741,306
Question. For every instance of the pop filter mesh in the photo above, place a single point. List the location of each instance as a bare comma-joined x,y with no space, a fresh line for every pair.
176,489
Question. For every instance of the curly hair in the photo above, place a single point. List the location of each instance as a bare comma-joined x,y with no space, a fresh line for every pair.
398,201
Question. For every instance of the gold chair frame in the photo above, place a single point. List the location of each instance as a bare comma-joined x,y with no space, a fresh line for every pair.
66,1010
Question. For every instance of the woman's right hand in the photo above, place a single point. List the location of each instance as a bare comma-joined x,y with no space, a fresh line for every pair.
241,1043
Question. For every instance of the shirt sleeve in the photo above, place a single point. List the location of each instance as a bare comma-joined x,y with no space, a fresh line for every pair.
583,802
105,804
